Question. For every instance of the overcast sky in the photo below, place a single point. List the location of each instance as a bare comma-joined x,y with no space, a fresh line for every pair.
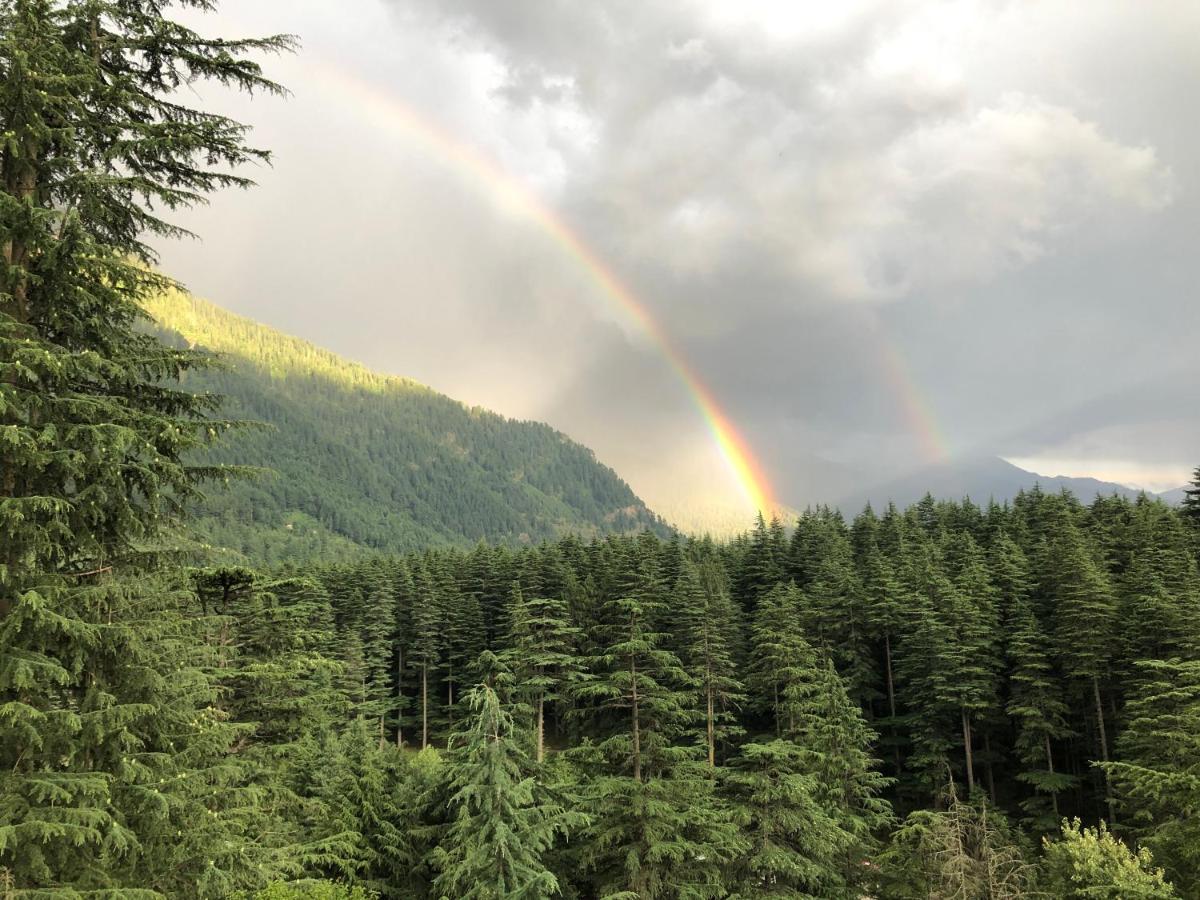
999,199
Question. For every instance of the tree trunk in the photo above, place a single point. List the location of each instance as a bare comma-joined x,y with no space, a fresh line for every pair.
399,698
424,705
712,744
989,769
966,730
1112,807
891,693
637,737
1050,769
541,728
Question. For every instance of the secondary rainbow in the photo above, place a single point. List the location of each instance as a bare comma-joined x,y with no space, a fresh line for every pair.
918,414
744,467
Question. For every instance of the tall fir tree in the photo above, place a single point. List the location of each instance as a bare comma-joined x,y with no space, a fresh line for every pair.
97,138
425,650
1156,770
1040,712
796,848
502,823
540,654
707,621
1190,508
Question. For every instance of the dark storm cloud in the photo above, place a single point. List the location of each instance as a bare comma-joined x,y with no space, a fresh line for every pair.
1001,193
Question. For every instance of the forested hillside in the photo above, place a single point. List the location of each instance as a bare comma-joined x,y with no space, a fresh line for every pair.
367,462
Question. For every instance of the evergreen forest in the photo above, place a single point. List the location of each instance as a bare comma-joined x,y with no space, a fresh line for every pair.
943,701
351,462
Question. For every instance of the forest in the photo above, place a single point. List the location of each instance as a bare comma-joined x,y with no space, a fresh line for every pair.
945,701
352,462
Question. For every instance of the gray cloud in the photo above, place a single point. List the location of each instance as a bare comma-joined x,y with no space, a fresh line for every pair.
1000,193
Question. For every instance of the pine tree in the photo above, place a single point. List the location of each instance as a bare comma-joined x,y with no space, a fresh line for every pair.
760,569
541,656
92,469
834,617
1036,704
780,657
358,836
501,828
1085,617
1156,773
971,614
962,850
633,677
425,650
796,846
836,745
1190,508
706,620
884,603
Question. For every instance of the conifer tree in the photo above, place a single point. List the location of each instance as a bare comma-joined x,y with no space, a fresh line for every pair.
971,614
884,603
960,850
358,782
836,745
96,139
634,678
1156,773
1190,508
706,620
659,829
834,617
425,651
1085,616
1037,705
796,846
780,658
541,656
501,828
760,567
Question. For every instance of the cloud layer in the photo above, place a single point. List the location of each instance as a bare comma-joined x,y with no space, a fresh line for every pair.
992,193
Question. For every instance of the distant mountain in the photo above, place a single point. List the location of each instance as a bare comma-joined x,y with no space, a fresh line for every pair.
981,479
367,462
1174,497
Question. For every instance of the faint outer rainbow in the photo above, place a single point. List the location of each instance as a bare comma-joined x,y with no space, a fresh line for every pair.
918,414
745,468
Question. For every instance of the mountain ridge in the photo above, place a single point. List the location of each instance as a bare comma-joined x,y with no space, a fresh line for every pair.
982,479
368,462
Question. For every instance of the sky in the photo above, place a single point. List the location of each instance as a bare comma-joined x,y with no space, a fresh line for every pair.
878,234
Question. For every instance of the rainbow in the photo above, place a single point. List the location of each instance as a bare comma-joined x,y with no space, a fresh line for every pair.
744,467
917,413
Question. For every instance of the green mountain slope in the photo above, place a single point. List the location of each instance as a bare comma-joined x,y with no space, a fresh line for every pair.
368,462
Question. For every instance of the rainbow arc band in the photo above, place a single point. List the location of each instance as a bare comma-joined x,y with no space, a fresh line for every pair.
744,467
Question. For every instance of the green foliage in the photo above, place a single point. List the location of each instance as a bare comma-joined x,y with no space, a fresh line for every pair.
1156,772
797,847
113,745
1091,863
364,462
501,827
313,890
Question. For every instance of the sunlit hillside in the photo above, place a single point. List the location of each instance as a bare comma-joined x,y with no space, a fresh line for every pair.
367,462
